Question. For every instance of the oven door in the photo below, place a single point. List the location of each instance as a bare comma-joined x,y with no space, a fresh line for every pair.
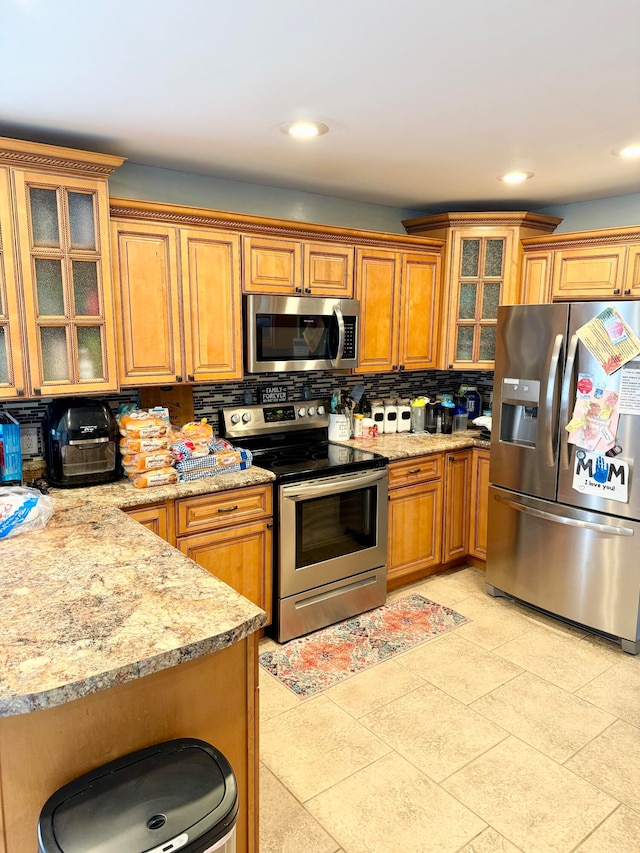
330,529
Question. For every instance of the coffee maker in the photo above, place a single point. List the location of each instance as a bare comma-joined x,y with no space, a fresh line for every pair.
80,436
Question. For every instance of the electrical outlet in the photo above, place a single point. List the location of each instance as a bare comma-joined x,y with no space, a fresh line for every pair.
29,441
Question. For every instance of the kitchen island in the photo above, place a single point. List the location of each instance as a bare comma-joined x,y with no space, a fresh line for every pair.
112,641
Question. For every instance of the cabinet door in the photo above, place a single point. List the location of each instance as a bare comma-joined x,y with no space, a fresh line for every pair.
419,311
63,231
328,270
632,280
536,278
479,502
157,518
271,266
590,273
457,469
147,303
378,289
415,525
12,353
211,302
482,278
239,556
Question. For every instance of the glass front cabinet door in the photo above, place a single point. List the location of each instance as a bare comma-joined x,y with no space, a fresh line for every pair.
482,271
480,285
61,223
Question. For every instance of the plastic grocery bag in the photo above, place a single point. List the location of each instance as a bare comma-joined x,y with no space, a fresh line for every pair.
23,510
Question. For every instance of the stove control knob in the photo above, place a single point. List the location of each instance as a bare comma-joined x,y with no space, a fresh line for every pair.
311,410
302,412
246,417
235,418
321,410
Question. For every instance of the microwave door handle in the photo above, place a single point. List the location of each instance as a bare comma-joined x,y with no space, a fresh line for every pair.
336,362
552,378
565,401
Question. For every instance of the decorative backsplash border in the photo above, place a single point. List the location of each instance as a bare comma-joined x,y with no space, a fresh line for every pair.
209,399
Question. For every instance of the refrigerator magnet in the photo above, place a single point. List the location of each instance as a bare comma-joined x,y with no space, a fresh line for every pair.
598,475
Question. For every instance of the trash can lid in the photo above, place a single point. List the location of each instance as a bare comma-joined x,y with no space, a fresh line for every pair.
181,791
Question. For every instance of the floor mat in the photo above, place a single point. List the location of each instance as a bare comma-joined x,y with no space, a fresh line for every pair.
311,664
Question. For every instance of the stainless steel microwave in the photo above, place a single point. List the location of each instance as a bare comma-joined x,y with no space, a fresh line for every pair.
284,333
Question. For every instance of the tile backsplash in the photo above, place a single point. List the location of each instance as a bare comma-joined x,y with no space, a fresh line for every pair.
209,399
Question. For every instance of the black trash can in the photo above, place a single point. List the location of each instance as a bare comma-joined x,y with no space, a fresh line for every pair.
180,795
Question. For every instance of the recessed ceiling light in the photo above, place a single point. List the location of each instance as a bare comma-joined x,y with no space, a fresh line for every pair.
515,177
629,152
304,129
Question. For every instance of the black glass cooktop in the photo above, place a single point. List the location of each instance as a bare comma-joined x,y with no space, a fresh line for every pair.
316,459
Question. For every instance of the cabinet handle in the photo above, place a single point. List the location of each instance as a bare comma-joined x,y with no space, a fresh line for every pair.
402,367
616,292
298,290
191,377
394,366
19,392
307,290
178,378
227,508
627,292
270,526
414,471
37,392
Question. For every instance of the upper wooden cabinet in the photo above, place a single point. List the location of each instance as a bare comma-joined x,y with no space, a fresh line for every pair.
399,303
297,267
57,331
12,352
482,270
178,302
582,265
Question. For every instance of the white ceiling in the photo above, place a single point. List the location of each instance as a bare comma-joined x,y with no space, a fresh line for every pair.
427,102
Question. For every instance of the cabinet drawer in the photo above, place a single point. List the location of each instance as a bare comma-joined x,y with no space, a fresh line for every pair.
417,470
222,508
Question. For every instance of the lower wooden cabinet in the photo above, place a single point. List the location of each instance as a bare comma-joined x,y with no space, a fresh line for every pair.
228,533
415,518
159,518
240,556
457,469
479,504
437,513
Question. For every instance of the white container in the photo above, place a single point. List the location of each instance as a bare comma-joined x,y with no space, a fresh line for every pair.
404,416
377,414
339,428
390,423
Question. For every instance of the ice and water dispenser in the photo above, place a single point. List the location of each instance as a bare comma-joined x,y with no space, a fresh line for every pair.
519,411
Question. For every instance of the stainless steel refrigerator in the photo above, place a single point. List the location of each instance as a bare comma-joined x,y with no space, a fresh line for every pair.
554,542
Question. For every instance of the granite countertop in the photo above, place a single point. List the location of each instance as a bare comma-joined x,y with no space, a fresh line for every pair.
404,445
124,495
95,600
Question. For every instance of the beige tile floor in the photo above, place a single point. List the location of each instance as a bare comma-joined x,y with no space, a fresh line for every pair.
515,732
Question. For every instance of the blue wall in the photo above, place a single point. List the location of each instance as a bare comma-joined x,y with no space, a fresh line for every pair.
601,213
149,183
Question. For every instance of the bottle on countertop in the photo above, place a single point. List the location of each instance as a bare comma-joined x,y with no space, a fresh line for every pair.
474,402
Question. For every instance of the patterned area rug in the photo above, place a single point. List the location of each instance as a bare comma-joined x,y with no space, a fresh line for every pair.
316,662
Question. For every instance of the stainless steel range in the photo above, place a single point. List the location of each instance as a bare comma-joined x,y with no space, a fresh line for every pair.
330,547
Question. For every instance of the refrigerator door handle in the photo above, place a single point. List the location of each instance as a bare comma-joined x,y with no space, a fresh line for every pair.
559,519
565,400
552,378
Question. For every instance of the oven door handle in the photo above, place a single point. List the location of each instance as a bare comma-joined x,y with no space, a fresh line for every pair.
332,485
337,361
